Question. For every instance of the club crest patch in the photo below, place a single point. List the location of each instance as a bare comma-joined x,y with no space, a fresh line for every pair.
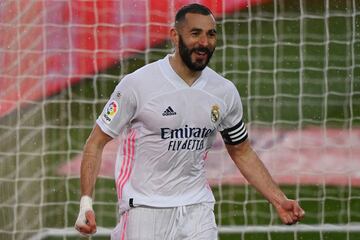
215,113
110,112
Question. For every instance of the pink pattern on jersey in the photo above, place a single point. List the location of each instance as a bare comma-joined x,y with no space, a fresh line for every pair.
127,163
205,155
126,214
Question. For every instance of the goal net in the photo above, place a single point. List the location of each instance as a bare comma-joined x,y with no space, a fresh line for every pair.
296,65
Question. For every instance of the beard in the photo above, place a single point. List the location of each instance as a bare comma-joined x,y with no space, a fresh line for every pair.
185,54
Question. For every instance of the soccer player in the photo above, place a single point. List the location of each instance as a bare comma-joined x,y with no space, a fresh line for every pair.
168,113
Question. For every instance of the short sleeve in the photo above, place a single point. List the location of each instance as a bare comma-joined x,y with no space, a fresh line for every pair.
232,126
119,110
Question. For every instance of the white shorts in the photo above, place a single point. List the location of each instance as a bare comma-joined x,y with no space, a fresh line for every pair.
195,222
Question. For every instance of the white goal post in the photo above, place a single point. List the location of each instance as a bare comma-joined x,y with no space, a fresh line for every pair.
296,65
231,229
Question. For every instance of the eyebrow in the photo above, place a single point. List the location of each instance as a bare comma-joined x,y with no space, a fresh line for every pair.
199,30
212,30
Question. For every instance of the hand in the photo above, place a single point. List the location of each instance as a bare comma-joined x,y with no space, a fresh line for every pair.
290,212
85,223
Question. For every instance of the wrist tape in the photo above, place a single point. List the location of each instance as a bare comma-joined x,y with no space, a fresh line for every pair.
86,203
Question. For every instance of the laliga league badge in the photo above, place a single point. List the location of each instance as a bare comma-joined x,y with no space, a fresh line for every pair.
215,113
110,112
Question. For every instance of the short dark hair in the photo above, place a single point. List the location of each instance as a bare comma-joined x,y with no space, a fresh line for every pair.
191,8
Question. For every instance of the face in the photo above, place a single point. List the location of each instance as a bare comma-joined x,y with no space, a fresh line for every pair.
197,41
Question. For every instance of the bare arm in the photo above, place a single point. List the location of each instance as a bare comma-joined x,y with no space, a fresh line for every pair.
91,162
90,167
257,175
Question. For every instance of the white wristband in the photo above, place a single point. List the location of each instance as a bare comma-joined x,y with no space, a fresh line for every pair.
86,203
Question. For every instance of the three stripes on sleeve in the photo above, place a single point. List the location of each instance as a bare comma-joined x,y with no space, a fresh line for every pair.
236,134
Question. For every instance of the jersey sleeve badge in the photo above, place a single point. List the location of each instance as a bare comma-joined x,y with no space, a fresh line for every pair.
110,112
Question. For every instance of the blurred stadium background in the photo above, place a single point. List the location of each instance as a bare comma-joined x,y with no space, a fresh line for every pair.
296,64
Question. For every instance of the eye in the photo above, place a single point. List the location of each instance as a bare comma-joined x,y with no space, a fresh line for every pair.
195,33
212,33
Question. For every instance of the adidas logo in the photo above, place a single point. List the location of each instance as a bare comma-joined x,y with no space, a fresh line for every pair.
169,112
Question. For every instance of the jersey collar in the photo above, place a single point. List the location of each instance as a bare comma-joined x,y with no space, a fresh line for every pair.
176,80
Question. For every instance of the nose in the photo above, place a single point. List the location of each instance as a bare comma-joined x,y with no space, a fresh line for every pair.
203,40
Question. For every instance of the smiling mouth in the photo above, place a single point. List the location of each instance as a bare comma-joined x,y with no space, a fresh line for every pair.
201,54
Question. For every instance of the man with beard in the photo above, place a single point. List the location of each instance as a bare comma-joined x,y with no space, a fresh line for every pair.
168,113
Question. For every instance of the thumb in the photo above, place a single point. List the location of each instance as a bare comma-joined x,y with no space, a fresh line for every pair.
90,219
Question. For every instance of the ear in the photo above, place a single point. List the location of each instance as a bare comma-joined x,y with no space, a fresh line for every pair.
174,36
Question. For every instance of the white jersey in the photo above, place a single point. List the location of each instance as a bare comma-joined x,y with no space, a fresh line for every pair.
168,128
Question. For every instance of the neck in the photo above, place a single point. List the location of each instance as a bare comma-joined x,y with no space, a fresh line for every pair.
189,76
